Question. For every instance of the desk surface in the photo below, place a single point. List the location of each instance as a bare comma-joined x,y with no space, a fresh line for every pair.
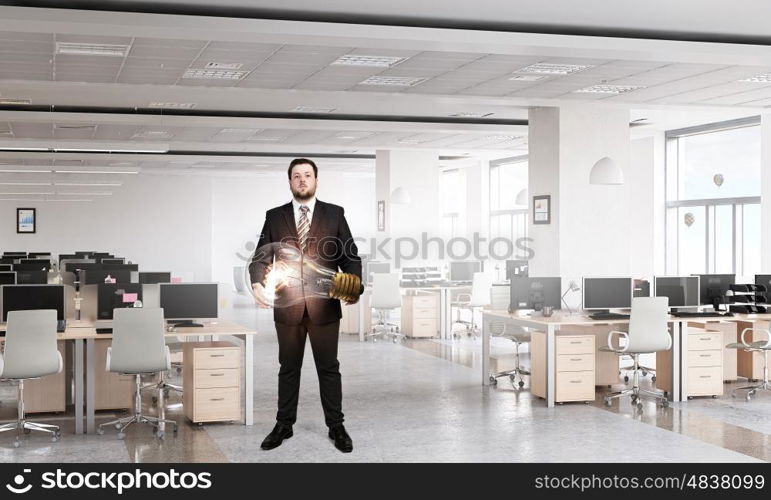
560,318
83,330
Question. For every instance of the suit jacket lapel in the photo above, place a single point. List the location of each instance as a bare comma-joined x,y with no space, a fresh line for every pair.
288,212
317,221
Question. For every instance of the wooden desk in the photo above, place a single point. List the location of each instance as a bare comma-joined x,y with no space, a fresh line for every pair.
550,326
82,333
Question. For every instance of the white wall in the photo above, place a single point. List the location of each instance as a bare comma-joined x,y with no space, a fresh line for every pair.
161,222
239,205
765,191
646,236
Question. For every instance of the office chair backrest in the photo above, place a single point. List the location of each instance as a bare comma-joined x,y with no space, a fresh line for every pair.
385,291
648,331
30,345
481,290
138,341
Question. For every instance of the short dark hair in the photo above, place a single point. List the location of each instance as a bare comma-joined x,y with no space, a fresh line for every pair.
301,161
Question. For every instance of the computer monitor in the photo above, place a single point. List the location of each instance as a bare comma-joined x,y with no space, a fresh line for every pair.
97,276
516,269
39,255
7,260
464,270
116,295
15,255
607,293
184,302
80,264
7,278
67,256
112,260
32,267
154,278
84,254
682,291
535,293
760,279
6,267
31,277
33,297
713,288
41,263
124,267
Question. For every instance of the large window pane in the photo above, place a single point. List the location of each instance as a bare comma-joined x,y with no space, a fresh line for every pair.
733,154
723,262
691,235
751,240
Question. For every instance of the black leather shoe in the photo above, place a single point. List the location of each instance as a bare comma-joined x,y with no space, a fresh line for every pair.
277,436
342,439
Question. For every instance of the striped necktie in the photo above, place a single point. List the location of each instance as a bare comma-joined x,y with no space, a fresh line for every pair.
303,227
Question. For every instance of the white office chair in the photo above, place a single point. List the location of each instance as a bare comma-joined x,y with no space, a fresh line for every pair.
386,296
481,295
755,346
30,352
138,348
519,336
648,333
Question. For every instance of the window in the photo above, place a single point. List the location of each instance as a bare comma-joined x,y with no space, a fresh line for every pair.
713,199
452,197
508,198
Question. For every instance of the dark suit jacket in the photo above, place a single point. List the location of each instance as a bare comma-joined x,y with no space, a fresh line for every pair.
330,245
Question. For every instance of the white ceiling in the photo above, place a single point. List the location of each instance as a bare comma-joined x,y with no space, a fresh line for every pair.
287,65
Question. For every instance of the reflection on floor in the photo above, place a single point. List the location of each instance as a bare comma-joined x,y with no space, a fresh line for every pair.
419,401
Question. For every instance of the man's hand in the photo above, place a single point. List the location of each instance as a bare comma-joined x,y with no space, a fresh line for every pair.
260,298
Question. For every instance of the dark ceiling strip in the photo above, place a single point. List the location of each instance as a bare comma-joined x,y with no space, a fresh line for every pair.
213,10
211,113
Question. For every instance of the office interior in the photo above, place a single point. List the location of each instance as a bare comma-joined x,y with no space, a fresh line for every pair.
520,190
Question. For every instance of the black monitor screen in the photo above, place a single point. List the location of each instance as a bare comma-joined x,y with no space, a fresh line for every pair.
96,276
111,260
115,295
189,300
68,256
72,267
607,293
41,263
29,297
7,278
31,277
32,267
713,288
6,267
123,267
534,293
154,278
681,291
15,255
765,280
464,271
7,260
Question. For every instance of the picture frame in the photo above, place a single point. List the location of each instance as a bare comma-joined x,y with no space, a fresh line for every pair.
542,209
381,215
26,220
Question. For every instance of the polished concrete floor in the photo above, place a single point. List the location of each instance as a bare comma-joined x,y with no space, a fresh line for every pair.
421,401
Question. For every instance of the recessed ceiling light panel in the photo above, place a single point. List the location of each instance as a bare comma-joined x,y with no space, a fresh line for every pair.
172,105
608,89
471,114
219,65
764,78
553,69
393,81
92,49
214,74
313,109
367,61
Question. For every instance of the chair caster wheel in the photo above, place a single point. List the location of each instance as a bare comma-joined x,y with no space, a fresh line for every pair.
100,431
665,404
653,378
639,405
626,378
395,340
176,429
608,402
54,438
27,431
118,426
121,435
521,384
748,398
16,443
161,435
714,396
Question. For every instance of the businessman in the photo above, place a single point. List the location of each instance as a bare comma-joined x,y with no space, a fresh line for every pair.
320,232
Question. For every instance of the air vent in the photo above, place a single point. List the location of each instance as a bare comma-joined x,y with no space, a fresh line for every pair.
608,89
214,74
219,65
553,69
14,102
368,61
92,49
393,81
526,78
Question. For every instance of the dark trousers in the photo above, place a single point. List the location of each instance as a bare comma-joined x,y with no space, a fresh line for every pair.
291,347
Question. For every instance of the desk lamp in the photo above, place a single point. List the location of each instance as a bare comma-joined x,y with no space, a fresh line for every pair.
572,287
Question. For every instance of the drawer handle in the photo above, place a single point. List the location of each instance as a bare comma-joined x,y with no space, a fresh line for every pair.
216,374
705,338
705,376
217,399
576,342
576,359
705,355
216,355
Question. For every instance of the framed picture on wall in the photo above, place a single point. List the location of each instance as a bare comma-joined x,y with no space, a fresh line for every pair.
26,219
381,215
542,209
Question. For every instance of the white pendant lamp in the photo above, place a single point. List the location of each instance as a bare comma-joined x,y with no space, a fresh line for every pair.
521,198
606,172
400,196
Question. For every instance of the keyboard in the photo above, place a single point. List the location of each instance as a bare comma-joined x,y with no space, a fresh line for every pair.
104,330
708,314
609,316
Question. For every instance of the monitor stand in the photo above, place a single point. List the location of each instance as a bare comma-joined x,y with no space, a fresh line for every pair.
716,303
184,323
599,311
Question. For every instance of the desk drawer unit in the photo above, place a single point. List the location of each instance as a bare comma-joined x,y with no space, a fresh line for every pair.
575,365
705,363
212,381
420,315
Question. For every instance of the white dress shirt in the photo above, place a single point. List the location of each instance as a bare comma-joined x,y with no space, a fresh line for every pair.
311,204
